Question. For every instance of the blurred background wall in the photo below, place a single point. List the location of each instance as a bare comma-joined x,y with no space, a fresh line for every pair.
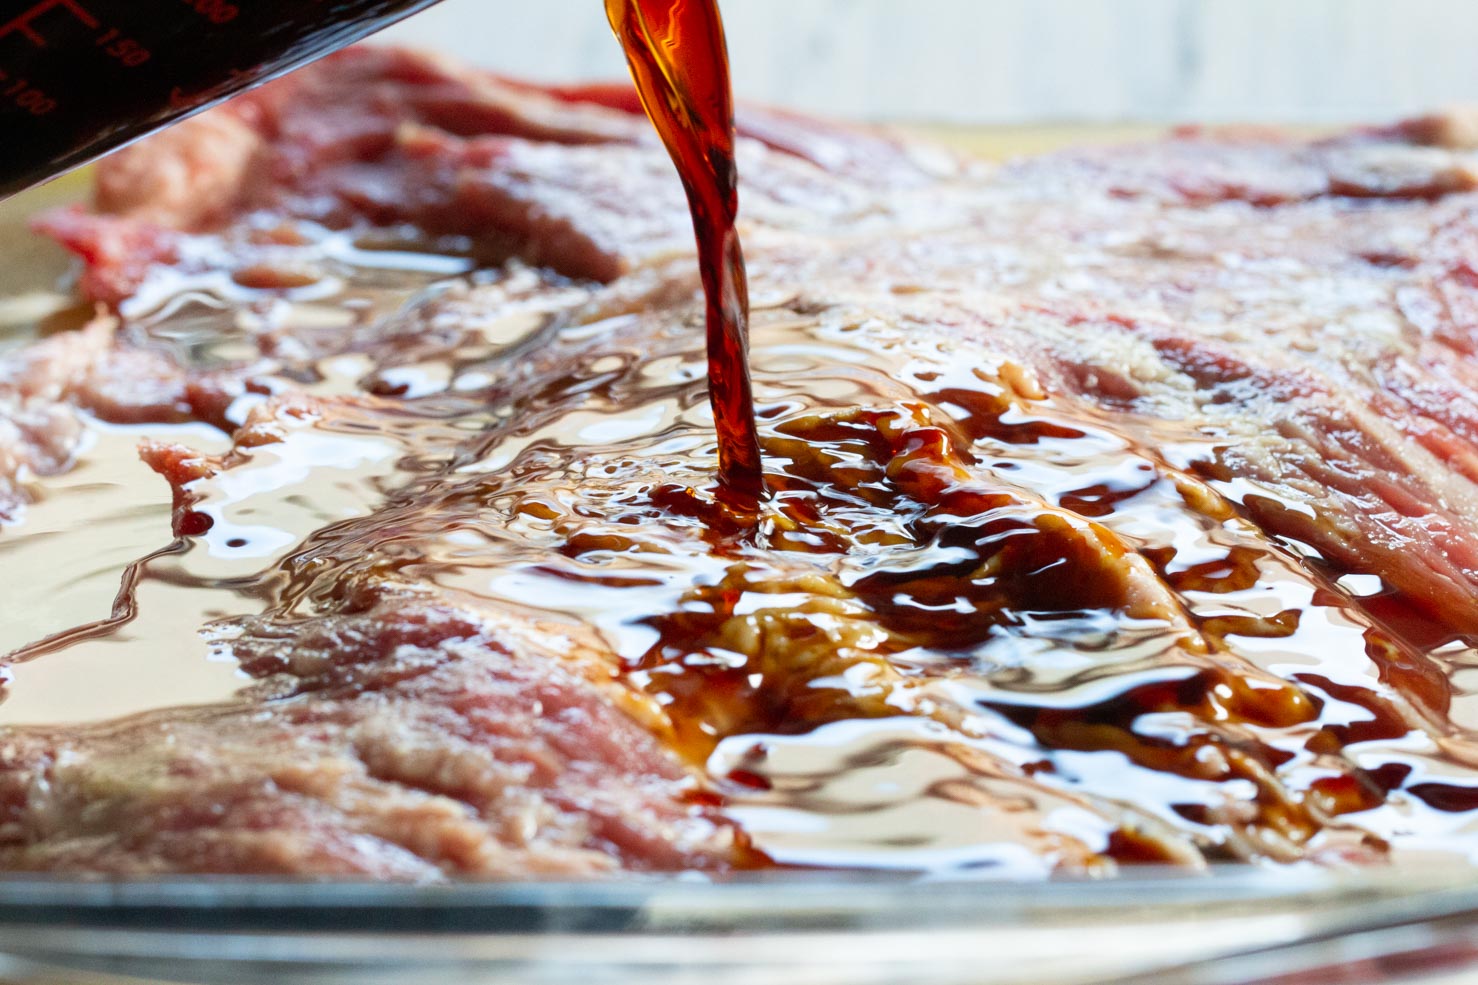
1016,61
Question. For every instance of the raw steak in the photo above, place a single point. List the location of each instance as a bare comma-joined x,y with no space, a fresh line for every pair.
1123,499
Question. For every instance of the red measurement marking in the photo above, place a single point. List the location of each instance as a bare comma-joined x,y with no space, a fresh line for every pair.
22,22
126,50
25,95
215,11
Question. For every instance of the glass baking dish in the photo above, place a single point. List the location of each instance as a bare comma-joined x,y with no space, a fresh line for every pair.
1237,925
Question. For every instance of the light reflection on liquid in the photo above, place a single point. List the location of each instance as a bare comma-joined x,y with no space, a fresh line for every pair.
891,671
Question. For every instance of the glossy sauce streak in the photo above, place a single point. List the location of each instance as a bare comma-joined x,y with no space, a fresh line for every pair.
680,64
973,628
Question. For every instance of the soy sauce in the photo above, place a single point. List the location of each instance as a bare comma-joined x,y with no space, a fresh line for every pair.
81,77
680,64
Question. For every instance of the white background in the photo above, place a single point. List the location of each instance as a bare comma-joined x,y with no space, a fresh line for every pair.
1014,61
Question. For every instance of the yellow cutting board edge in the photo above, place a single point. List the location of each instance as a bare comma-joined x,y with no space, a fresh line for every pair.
31,265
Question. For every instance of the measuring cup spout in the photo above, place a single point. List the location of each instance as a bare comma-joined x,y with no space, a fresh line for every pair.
81,77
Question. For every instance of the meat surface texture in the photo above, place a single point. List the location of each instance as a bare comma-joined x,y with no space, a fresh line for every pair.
1124,501
414,745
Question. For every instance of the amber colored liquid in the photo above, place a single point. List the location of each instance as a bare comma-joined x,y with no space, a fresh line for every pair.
920,652
681,68
975,616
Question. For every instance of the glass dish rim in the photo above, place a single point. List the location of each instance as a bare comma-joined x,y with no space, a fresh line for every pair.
758,901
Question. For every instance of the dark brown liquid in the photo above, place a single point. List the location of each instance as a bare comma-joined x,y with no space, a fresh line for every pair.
925,649
681,68
976,626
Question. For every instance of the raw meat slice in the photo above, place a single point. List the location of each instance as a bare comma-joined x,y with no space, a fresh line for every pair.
1128,493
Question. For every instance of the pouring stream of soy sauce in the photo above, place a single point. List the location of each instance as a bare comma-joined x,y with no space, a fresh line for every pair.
80,77
680,65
